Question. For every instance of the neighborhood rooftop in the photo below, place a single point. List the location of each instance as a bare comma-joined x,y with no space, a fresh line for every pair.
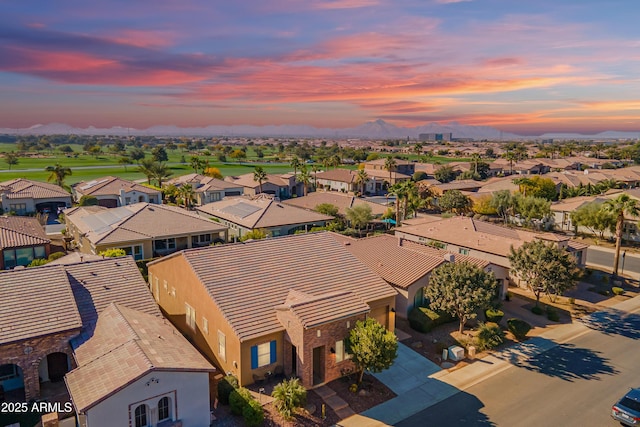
16,231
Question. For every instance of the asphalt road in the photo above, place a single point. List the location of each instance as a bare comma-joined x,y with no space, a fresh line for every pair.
605,257
574,384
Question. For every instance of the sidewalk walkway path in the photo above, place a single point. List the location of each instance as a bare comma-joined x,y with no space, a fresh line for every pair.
335,402
418,389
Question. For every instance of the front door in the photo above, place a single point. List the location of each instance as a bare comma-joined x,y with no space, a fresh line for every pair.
294,360
58,366
318,365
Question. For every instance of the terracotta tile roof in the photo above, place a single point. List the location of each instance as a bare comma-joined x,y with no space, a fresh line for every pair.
34,302
381,161
569,205
313,263
126,345
385,174
463,184
246,180
110,185
441,253
340,200
339,175
575,245
395,264
21,188
315,310
260,212
16,231
202,183
139,221
497,184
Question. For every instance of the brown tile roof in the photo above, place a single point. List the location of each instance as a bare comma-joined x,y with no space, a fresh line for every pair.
315,310
202,183
16,231
382,160
463,184
575,245
260,212
384,255
110,185
34,302
340,200
313,263
339,175
383,174
140,221
126,345
246,180
441,253
21,188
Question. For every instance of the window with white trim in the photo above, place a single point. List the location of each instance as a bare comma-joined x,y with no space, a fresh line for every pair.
264,354
222,346
190,316
341,353
205,325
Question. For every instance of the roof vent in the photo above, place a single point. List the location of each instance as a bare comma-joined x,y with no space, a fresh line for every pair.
347,243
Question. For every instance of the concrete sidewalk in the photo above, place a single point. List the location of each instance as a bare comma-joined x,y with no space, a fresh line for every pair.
418,389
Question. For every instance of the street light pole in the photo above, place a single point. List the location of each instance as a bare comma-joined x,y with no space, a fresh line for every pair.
624,254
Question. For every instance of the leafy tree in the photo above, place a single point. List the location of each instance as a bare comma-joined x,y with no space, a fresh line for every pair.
454,201
460,289
11,159
95,150
359,216
124,161
372,347
621,205
197,163
537,186
213,172
170,193
482,205
327,209
137,154
256,234
113,253
238,154
595,218
419,176
503,202
544,267
65,149
88,200
531,208
159,154
445,174
288,396
259,176
58,173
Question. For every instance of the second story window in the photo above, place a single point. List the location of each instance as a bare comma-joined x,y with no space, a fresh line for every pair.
190,316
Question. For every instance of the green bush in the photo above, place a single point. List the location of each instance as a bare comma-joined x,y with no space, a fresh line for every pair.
552,314
38,262
494,315
537,310
423,319
225,387
112,253
88,201
490,335
239,399
518,327
604,292
253,414
56,255
289,395
617,291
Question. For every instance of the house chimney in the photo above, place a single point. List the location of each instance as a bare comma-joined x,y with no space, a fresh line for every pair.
449,257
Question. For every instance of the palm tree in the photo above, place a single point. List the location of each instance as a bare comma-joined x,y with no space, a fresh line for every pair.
475,159
400,190
295,164
58,173
188,195
315,168
304,178
146,168
621,205
259,175
335,160
511,156
390,165
361,179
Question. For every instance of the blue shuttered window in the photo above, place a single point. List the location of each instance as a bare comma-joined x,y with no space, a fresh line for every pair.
263,354
254,357
273,352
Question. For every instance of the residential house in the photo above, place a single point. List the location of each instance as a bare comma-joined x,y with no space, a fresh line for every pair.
282,186
113,192
137,370
263,306
22,239
143,230
483,240
339,200
460,185
403,168
23,196
208,189
346,181
244,214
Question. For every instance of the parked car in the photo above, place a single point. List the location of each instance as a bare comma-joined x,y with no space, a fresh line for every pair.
627,410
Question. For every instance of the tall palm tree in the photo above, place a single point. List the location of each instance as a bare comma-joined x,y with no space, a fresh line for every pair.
511,156
305,178
401,191
475,159
390,165
621,205
188,195
361,179
259,176
335,160
58,173
315,168
160,172
295,164
146,168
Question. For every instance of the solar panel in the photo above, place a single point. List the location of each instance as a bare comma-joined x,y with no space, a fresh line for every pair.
241,209
103,221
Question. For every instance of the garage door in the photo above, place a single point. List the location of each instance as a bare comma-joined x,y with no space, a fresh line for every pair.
381,314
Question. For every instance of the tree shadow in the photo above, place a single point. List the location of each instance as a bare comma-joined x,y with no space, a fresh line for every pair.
564,361
614,322
461,409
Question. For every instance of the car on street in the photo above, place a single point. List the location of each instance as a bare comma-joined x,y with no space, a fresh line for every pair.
627,410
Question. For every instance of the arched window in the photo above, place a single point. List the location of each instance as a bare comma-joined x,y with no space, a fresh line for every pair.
163,409
141,416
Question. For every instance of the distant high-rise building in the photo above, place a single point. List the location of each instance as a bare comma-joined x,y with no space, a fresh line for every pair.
435,136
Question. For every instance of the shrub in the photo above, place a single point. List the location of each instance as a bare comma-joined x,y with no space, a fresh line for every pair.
239,399
225,387
38,262
289,395
616,290
494,315
605,279
353,388
552,314
88,201
518,327
423,319
537,310
253,413
489,335
604,292
113,253
572,301
54,256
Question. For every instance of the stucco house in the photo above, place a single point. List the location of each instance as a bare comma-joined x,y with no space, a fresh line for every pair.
143,230
283,303
282,186
346,181
24,196
403,170
208,189
339,200
262,212
112,192
22,239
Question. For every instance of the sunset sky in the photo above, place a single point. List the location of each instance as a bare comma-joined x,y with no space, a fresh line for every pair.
522,66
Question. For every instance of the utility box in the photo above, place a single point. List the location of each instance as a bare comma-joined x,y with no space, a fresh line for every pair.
456,353
445,353
471,352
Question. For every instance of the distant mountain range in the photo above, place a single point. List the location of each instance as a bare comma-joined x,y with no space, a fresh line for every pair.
378,129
